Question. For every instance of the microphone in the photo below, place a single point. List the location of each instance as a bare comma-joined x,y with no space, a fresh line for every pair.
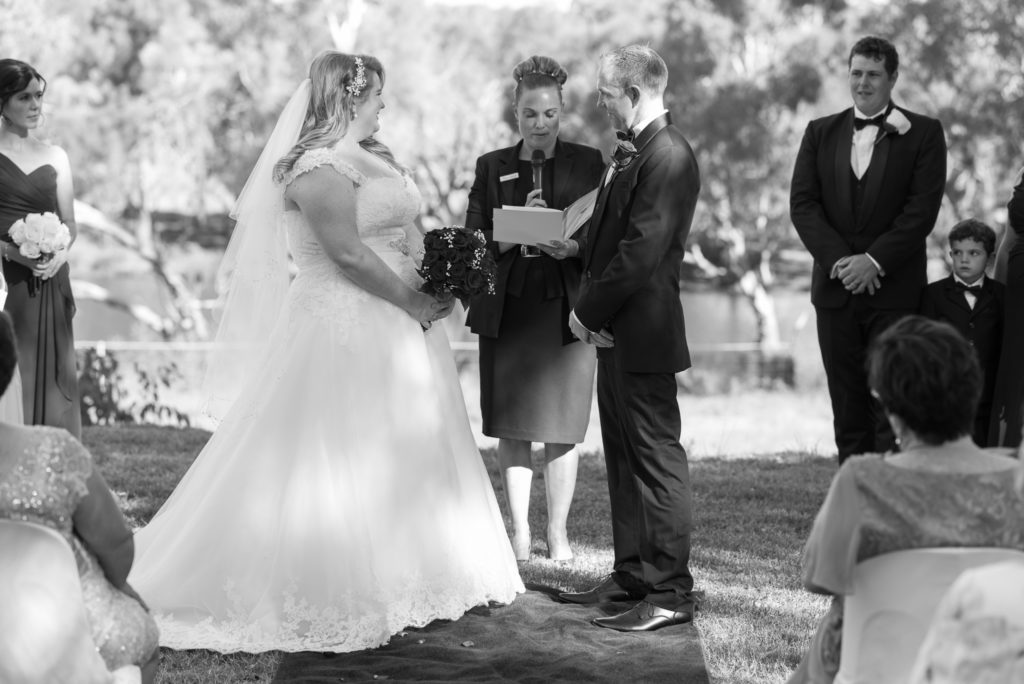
537,162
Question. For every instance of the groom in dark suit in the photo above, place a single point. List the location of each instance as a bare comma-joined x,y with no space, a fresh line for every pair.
629,308
866,190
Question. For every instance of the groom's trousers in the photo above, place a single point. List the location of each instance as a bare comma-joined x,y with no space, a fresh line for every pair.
648,482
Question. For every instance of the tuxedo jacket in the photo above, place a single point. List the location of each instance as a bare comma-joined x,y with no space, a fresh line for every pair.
982,325
577,171
1008,397
901,193
633,252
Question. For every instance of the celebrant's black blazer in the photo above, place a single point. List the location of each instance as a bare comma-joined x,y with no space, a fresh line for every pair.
577,171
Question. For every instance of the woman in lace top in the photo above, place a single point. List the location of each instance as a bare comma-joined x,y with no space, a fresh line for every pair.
940,490
47,477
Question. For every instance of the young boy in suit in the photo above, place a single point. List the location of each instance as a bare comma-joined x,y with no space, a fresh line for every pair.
973,304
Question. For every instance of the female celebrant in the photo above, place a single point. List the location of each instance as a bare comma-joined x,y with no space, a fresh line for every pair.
35,178
536,383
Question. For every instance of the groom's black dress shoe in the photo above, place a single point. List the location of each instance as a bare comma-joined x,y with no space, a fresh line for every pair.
646,617
608,590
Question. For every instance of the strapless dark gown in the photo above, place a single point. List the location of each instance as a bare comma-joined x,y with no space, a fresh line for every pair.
41,309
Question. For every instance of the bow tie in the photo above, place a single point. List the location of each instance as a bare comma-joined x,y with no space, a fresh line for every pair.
973,289
627,136
859,123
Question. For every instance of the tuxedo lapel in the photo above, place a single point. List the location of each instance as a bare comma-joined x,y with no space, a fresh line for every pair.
956,296
986,297
842,165
873,179
595,216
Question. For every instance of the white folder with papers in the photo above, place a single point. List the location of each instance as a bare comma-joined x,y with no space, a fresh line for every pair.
527,225
540,225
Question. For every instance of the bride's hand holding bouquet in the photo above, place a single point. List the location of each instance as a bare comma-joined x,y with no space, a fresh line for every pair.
456,265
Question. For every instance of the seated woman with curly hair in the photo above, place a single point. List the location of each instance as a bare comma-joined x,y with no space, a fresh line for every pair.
940,490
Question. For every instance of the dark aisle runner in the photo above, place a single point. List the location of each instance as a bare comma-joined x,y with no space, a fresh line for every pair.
535,640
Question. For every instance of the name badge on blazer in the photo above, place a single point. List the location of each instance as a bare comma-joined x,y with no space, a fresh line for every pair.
508,177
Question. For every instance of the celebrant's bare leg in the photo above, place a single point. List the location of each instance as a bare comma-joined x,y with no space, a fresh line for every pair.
517,474
560,463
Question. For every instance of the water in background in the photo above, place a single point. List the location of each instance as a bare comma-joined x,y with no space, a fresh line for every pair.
714,320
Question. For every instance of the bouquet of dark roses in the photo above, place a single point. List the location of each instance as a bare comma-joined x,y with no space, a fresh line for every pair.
456,262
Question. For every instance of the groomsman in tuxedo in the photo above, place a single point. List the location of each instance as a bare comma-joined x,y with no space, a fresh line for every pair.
866,190
629,308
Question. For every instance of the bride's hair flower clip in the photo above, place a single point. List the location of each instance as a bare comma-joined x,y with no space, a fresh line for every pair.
359,81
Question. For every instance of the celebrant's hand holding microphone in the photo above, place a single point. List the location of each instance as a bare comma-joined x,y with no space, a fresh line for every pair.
535,198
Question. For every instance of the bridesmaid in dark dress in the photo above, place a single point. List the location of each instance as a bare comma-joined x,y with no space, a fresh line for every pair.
1008,397
536,380
35,177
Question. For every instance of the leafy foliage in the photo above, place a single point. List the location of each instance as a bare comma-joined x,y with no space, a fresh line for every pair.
107,399
164,107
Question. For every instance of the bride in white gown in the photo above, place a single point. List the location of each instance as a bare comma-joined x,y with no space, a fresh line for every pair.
343,497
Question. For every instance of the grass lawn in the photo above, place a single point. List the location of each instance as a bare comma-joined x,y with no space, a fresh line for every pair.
752,514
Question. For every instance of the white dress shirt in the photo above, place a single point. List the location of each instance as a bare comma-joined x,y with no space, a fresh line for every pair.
863,145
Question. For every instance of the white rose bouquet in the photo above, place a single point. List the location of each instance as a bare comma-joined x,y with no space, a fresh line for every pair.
40,236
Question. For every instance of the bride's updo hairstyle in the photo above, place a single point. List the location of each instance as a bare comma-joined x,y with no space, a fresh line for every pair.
338,82
15,76
537,72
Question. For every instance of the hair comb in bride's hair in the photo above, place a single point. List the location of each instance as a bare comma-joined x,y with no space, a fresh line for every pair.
553,73
359,81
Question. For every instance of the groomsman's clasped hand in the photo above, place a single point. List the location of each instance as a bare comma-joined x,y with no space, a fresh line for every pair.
858,274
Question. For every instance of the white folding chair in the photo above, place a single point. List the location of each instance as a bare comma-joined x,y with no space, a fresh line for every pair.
44,635
894,597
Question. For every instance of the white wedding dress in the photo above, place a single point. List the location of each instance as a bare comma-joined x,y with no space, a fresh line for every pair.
343,497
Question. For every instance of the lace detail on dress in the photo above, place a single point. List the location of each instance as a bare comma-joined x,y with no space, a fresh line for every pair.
351,622
323,156
384,206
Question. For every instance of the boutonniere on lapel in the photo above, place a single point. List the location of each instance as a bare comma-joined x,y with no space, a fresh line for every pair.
894,124
625,151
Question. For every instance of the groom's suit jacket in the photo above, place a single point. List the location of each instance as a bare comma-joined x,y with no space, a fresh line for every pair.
577,171
899,200
633,252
